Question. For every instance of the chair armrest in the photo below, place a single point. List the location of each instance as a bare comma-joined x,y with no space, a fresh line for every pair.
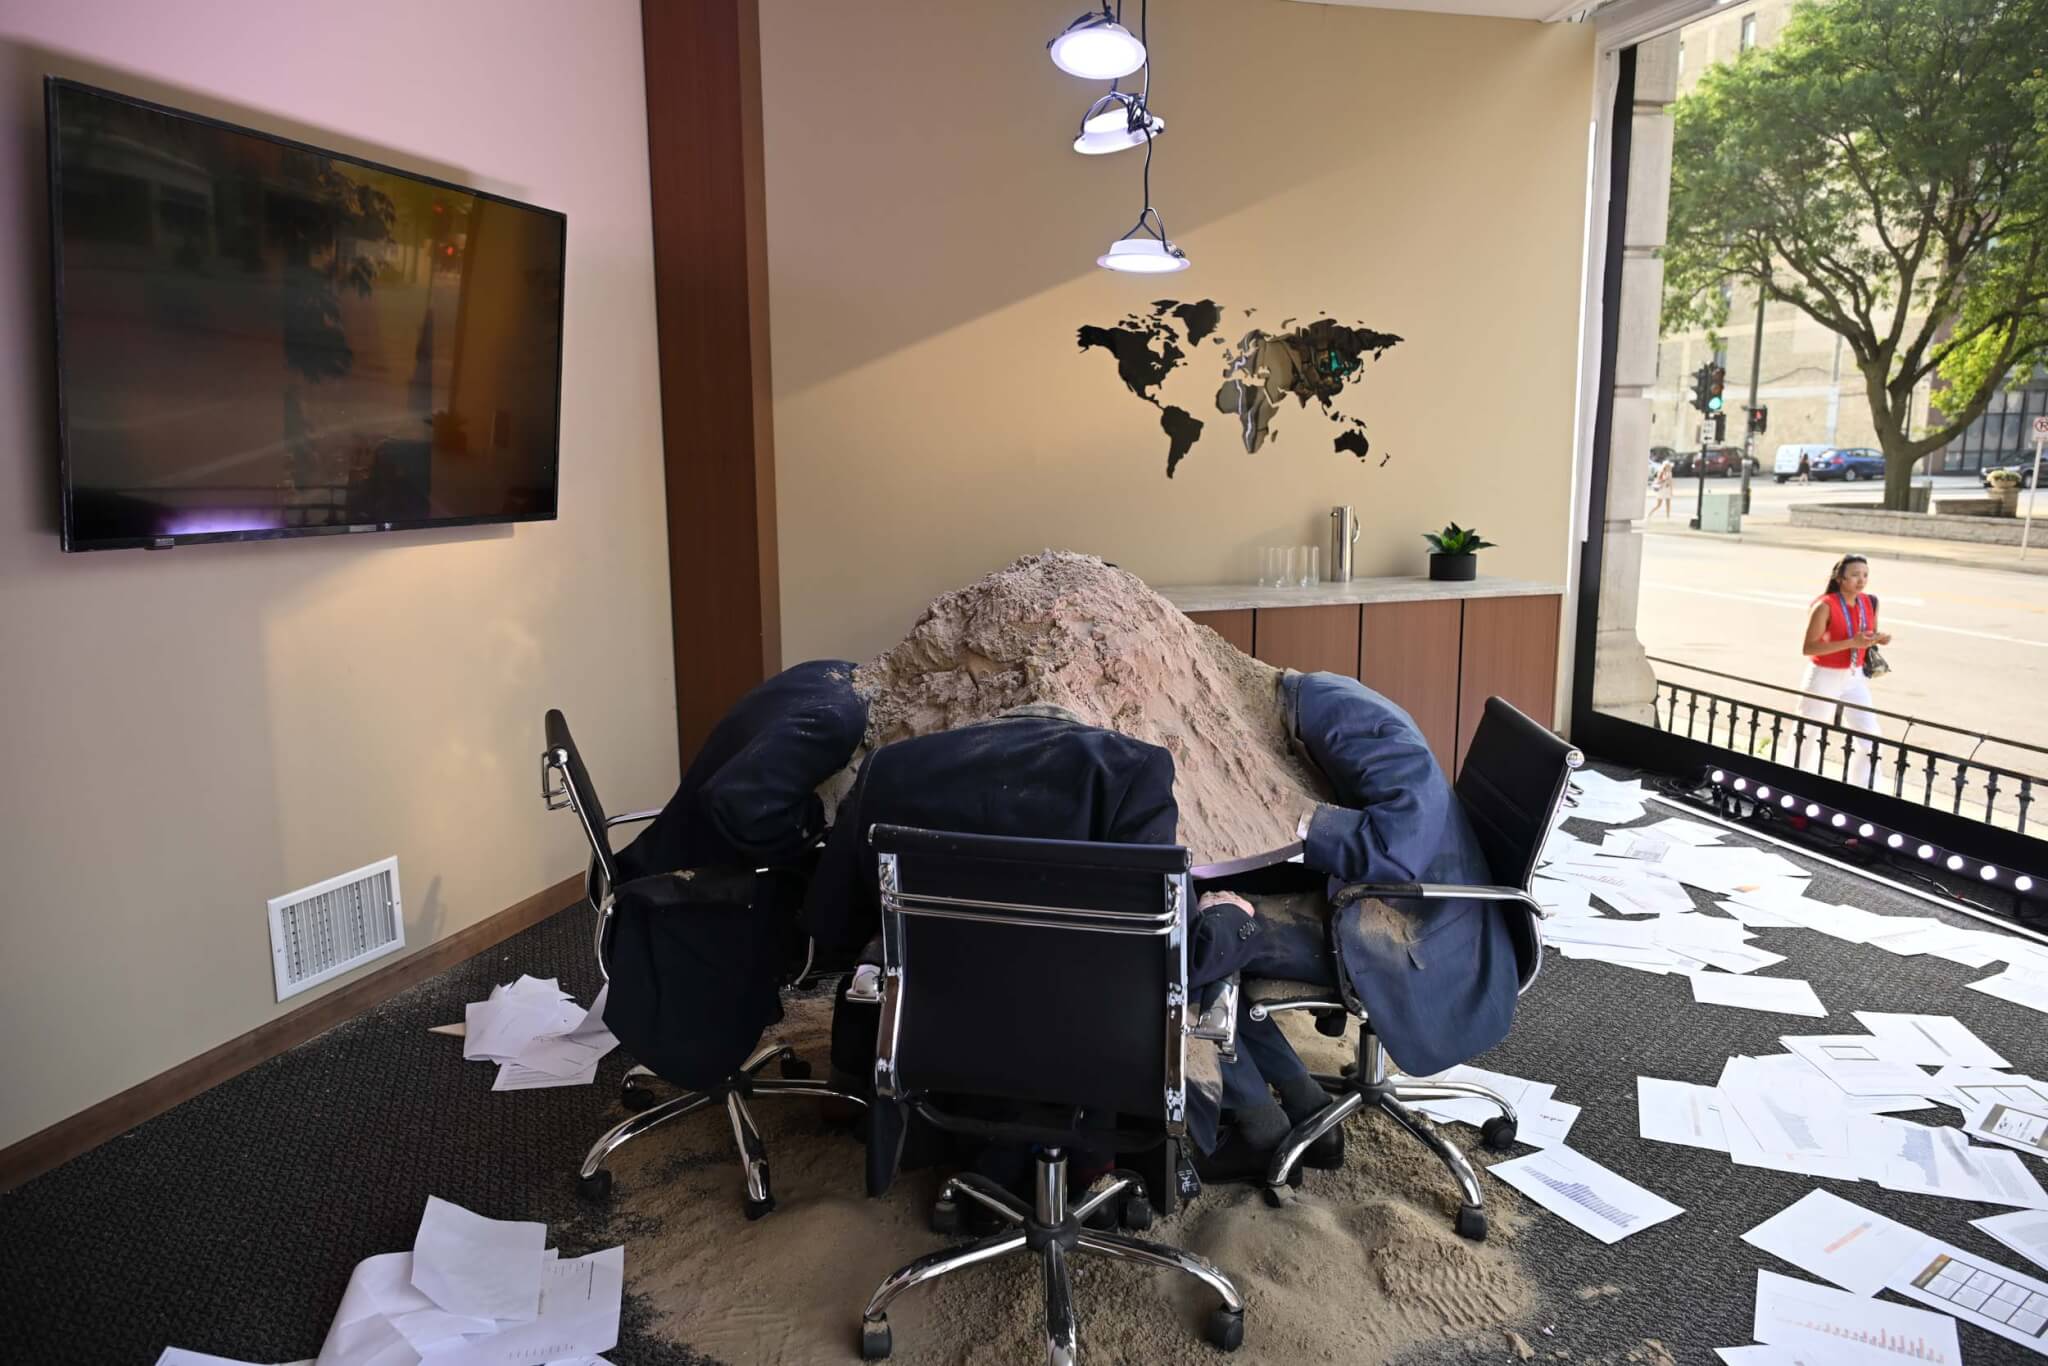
1434,891
1218,1024
632,816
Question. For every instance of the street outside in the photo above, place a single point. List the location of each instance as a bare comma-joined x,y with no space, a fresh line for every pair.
1970,646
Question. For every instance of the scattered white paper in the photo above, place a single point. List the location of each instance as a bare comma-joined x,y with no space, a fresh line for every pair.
1944,1162
1827,1236
1934,1040
478,1267
1973,1087
1585,1194
2022,986
1762,1355
2021,1127
2008,1303
578,1316
178,1356
1679,830
1680,1112
1857,1063
1819,1318
1779,995
1546,1125
537,1035
1784,1126
2024,1231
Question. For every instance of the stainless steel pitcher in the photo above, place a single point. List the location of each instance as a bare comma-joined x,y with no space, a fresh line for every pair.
1343,535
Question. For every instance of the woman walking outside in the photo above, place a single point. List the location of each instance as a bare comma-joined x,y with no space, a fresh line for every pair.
1663,490
1840,632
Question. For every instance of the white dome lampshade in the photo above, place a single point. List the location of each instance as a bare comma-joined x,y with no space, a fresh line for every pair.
1096,47
1143,256
1120,126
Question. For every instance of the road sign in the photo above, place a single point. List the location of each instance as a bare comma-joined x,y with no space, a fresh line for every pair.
2041,428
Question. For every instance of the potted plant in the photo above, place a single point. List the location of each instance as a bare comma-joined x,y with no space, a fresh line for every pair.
2005,487
1454,553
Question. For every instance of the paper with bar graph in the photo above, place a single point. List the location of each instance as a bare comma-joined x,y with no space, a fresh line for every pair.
1825,1235
1585,1194
1791,1313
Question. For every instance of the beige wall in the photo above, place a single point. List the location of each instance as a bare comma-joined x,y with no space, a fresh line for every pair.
931,247
190,733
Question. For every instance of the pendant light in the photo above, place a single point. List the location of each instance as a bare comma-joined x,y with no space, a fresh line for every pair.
1115,122
1096,47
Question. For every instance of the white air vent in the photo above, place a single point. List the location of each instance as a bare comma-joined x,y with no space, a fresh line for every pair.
321,931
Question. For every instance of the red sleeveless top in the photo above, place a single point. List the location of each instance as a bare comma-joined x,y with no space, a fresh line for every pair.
1839,628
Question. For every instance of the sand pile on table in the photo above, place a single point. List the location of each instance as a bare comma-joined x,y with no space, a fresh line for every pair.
1360,1267
1069,630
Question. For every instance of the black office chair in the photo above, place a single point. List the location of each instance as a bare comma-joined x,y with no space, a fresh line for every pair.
1048,977
565,782
1515,775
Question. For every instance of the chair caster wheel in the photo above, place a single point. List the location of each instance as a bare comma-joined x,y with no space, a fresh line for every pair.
945,1220
874,1340
636,1098
1225,1329
756,1208
1471,1223
794,1068
1137,1213
1275,1197
1498,1133
596,1186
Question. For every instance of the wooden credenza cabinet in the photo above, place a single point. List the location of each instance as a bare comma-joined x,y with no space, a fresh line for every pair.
1437,649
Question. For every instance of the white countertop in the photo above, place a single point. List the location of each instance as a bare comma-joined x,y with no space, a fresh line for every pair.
1225,597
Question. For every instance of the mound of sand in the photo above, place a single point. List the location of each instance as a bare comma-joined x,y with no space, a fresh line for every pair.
1069,630
1360,1266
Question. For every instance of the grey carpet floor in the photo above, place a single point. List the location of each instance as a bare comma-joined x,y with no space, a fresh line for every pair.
230,1224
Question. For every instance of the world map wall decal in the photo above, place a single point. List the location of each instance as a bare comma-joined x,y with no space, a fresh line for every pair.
1316,360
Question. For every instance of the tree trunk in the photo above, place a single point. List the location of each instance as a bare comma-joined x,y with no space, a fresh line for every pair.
1898,471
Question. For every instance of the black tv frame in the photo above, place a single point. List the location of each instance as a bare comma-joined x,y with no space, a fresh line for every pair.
51,86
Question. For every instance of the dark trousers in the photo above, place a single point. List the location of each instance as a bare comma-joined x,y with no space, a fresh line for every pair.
1297,953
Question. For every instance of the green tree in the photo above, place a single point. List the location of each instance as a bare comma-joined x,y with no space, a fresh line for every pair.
1883,169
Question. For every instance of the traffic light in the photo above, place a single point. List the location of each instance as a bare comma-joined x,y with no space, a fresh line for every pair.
1698,400
1717,379
1759,418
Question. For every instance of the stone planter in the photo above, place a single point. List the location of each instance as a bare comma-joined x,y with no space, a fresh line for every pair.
2008,500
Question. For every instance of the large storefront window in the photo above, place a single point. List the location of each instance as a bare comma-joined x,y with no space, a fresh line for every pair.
1713,538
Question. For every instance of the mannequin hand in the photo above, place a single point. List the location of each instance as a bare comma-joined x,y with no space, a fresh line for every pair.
1882,637
1209,899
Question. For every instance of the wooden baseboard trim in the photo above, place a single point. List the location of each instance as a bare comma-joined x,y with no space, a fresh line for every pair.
117,1114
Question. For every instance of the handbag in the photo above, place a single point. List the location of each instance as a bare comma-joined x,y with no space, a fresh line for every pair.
1875,665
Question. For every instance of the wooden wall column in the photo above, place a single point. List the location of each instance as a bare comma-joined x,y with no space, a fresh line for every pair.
711,302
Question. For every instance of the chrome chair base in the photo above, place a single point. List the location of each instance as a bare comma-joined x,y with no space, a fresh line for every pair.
1375,1084
594,1180
1055,1231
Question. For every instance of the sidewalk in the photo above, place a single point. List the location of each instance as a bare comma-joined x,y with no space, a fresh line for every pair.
1965,553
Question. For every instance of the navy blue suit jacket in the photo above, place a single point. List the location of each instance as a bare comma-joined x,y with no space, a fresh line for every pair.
1440,982
750,796
1037,777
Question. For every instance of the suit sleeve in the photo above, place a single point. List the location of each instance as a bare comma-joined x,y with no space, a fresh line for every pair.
842,908
1148,813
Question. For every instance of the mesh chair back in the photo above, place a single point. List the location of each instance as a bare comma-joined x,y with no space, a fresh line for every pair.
1050,971
1514,777
563,754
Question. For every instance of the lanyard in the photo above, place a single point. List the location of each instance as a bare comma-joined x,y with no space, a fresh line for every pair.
1856,619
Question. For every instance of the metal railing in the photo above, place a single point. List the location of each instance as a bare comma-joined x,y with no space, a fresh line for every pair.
1939,769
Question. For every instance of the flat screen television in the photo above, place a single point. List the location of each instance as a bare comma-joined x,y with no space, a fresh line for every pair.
257,338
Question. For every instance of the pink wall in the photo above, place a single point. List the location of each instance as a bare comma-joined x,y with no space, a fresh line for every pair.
191,733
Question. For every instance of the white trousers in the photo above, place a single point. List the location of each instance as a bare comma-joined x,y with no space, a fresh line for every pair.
1847,685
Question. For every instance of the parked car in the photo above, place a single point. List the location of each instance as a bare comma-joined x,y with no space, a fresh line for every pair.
1785,464
1722,461
1849,463
2025,472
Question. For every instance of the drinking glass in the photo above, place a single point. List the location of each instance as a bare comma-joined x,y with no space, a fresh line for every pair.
1312,567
